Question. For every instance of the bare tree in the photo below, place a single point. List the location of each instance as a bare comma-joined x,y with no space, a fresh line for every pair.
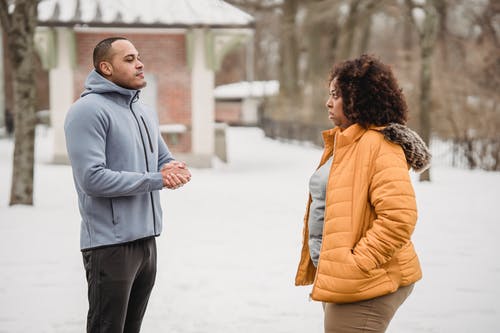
427,31
289,50
322,29
467,107
19,25
349,29
266,38
457,105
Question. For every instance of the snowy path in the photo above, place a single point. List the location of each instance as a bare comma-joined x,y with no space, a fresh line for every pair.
228,253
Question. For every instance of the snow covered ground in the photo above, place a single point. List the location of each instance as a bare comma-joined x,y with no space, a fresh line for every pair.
228,253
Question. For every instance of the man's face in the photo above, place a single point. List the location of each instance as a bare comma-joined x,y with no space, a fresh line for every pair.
125,67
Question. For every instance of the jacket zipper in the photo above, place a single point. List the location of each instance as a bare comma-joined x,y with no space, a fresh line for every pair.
324,220
145,157
147,132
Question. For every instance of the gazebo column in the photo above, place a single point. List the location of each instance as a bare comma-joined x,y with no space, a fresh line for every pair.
206,50
3,126
202,102
61,80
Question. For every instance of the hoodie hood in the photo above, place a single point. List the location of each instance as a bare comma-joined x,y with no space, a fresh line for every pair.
97,84
416,152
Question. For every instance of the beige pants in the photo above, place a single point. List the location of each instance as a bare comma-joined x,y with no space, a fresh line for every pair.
373,315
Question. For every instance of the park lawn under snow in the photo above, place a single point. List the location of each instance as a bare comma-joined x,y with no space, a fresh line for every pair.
228,253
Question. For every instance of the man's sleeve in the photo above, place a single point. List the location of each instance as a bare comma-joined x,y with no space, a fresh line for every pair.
86,132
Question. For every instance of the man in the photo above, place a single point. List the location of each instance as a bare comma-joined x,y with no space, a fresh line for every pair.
120,162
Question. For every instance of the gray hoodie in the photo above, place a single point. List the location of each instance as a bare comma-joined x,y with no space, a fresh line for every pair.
116,152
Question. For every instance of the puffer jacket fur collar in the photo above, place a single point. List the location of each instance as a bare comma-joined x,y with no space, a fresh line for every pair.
416,152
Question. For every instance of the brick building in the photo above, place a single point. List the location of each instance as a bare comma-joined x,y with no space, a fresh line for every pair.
181,42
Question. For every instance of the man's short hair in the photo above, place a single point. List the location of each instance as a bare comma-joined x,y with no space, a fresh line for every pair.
101,50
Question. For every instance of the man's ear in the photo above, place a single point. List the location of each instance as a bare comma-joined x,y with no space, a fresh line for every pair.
106,68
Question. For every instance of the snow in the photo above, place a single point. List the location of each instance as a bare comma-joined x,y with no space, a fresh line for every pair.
230,246
246,89
154,12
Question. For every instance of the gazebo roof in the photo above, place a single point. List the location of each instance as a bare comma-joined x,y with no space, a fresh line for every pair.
145,13
245,89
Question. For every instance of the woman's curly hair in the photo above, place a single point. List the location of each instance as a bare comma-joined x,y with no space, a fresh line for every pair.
370,92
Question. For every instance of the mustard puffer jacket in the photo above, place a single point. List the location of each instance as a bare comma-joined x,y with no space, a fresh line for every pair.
370,214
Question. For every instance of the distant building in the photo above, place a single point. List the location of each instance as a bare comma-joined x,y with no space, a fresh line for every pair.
239,103
182,43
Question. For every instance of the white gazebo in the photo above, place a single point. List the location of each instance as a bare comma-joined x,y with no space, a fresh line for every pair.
247,96
211,28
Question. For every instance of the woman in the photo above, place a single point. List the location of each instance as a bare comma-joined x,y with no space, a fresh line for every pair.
361,213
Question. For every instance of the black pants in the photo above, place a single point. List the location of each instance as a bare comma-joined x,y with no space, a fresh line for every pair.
120,279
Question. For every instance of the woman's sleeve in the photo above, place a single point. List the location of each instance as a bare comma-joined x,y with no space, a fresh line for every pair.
393,198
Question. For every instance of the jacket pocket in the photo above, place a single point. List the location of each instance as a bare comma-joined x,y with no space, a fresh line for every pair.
148,135
112,205
357,280
354,268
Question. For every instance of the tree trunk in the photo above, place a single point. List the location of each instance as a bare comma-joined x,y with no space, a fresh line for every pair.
290,98
349,30
20,29
366,23
427,42
366,28
289,49
407,41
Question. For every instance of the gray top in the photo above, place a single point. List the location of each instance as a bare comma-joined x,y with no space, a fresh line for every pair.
317,188
116,152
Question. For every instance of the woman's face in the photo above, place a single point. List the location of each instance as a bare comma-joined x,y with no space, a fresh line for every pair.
335,109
